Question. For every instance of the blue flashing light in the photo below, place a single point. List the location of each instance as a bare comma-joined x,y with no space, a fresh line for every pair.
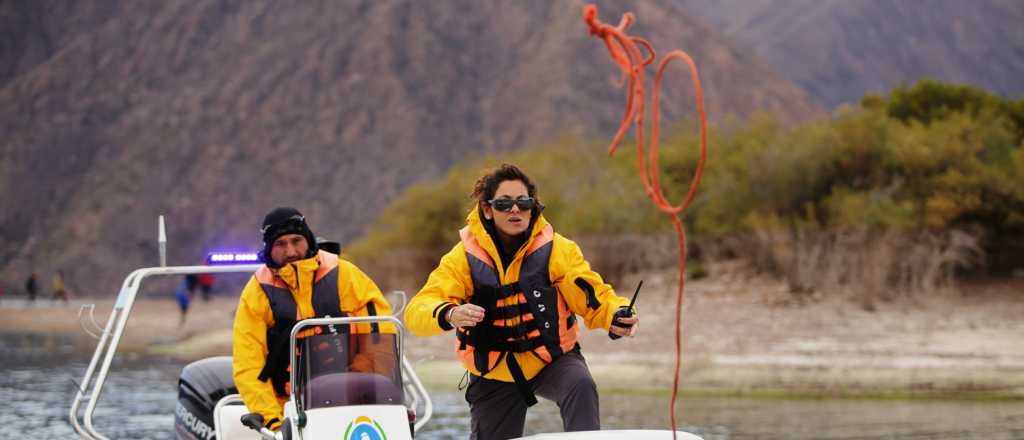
232,258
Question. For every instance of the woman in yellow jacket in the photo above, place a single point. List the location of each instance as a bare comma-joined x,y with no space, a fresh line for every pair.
298,282
512,288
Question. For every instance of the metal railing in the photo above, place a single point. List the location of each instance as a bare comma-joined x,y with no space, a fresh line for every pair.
91,388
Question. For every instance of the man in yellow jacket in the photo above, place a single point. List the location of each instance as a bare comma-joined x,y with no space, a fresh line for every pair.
297,282
512,288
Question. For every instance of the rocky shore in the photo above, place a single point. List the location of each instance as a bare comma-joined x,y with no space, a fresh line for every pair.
739,337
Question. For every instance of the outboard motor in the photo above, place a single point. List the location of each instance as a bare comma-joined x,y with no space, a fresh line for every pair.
202,384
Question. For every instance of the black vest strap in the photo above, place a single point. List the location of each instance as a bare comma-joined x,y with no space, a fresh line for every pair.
511,311
482,348
522,384
500,292
371,310
275,368
517,346
518,331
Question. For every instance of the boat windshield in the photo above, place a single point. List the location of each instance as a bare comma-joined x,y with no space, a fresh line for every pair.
350,369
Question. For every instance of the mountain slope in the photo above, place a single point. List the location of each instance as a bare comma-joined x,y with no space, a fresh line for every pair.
213,112
838,50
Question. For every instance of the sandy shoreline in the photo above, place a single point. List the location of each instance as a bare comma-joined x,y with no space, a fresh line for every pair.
735,341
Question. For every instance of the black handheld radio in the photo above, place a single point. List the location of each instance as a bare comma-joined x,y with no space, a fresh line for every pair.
625,312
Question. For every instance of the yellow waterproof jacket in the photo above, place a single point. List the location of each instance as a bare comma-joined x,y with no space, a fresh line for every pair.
254,316
451,283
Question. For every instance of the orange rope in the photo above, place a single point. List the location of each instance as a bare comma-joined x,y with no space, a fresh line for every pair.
625,51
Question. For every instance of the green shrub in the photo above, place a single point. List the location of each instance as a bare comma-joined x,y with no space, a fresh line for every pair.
585,193
925,160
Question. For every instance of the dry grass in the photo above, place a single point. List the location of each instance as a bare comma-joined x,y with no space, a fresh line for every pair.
616,257
864,264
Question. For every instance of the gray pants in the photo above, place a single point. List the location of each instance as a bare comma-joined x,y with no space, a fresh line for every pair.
499,412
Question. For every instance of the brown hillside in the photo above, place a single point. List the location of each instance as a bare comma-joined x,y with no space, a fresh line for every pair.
212,112
838,50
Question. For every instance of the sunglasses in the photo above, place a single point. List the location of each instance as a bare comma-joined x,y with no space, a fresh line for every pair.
505,205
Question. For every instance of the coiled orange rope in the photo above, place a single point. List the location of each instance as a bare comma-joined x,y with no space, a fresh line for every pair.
625,51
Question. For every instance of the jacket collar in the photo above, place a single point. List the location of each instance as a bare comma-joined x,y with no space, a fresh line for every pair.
477,227
303,269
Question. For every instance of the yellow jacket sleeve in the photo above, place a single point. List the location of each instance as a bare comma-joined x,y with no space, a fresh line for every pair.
249,353
583,289
448,285
357,291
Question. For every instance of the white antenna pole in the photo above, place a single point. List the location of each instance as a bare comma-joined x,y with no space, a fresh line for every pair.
162,239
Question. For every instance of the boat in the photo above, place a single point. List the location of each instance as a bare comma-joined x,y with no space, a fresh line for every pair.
337,398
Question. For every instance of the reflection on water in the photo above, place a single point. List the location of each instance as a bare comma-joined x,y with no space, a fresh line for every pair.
139,398
748,418
137,402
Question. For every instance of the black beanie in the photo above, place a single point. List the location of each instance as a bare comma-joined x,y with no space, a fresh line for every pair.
283,221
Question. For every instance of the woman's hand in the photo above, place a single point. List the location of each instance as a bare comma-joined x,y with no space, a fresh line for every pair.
635,320
466,315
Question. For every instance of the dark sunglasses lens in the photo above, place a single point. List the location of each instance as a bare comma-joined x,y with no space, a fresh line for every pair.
524,204
503,205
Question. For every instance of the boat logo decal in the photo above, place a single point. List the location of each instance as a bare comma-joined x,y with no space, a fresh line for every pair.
364,428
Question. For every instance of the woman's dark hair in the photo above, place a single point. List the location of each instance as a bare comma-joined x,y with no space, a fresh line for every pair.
487,185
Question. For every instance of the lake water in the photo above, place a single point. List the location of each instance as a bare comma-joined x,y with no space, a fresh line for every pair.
139,399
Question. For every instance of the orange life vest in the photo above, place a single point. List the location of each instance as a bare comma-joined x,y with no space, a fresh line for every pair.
286,315
528,315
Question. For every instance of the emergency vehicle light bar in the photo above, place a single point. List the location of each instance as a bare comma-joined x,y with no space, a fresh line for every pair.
232,257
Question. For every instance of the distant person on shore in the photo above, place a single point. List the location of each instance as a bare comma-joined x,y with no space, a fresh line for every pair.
32,287
183,296
512,289
297,282
59,290
205,282
191,281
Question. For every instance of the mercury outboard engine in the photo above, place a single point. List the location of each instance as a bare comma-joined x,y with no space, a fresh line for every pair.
202,384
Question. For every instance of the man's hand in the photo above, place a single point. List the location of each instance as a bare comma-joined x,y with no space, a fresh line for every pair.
466,315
